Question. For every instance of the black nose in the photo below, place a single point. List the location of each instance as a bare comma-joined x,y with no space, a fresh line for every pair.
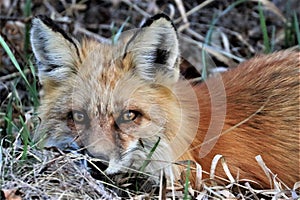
101,161
97,169
98,165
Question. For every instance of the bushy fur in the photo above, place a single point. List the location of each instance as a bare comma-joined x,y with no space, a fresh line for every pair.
90,88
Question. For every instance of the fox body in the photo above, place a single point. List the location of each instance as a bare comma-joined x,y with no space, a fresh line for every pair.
119,102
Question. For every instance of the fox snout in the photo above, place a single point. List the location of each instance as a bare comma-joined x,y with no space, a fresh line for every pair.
100,163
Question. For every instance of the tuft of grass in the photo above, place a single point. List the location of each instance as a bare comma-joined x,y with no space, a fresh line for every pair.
30,87
10,120
15,101
209,34
203,51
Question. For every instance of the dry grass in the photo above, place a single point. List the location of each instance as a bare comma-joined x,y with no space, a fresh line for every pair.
229,34
51,174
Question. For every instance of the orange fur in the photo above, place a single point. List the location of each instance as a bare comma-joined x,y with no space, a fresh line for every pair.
116,101
262,98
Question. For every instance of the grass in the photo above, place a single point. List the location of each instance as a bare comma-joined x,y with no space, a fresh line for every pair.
14,100
210,32
25,137
27,14
187,181
264,29
148,159
9,119
33,93
117,35
296,25
55,174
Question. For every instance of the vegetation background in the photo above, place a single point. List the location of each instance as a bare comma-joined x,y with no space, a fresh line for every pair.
229,31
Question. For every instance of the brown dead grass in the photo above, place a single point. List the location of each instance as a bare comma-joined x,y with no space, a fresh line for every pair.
51,174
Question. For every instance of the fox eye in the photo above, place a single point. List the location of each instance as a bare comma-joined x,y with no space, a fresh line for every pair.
78,116
129,116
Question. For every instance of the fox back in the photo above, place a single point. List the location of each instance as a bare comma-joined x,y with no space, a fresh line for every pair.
261,117
121,103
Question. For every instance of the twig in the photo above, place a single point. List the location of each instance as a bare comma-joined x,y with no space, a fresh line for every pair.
181,10
13,75
205,3
138,9
20,19
220,54
270,6
101,39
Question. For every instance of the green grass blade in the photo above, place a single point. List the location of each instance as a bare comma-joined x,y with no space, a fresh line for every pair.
209,34
16,64
27,13
147,161
296,24
264,29
34,92
203,52
120,30
187,181
13,100
25,136
13,59
8,118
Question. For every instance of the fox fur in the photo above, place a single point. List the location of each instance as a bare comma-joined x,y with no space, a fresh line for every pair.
118,102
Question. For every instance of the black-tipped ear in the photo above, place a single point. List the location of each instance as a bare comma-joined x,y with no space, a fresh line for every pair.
56,52
155,49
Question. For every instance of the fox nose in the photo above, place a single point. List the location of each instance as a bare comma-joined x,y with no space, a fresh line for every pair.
100,163
96,165
97,168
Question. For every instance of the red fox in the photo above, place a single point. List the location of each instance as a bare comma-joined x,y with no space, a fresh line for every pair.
119,102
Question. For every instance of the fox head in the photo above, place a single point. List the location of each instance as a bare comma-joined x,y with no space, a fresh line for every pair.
116,102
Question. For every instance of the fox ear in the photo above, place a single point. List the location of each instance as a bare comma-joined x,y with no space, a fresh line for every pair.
56,52
154,50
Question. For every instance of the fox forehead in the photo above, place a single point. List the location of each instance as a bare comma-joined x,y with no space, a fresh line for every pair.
106,63
102,66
